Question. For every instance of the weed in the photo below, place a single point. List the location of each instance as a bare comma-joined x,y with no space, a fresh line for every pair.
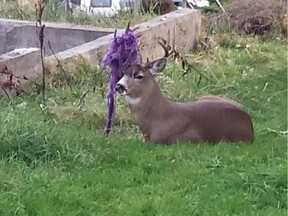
11,82
39,8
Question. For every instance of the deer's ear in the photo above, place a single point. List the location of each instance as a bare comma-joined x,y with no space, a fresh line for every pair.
158,66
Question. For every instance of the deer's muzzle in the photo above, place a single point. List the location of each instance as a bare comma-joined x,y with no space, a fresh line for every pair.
120,89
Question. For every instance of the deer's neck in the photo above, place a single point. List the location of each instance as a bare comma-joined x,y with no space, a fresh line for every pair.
150,108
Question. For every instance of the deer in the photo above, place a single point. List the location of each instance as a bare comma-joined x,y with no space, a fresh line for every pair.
211,119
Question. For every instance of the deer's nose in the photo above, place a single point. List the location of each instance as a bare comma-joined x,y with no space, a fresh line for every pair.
120,88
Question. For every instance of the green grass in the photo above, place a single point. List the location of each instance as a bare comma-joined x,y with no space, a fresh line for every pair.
58,162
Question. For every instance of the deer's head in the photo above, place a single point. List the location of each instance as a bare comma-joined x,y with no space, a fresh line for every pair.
139,79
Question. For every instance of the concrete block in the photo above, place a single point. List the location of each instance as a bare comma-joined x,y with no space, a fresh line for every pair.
186,23
22,62
74,45
22,34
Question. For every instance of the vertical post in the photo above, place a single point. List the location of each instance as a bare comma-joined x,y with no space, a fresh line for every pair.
184,4
68,6
136,6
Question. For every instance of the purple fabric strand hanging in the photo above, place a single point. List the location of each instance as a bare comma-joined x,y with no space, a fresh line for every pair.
121,54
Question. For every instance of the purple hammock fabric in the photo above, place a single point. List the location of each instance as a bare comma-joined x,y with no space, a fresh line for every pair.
122,53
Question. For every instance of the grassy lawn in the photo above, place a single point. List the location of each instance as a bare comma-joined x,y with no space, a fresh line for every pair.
57,161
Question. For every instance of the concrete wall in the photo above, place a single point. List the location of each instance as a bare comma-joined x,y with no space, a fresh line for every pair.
87,44
186,23
22,62
15,34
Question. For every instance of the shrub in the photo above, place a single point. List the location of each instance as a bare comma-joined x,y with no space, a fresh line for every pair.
253,17
257,16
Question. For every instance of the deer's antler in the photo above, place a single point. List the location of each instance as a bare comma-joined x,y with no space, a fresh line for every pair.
166,46
168,50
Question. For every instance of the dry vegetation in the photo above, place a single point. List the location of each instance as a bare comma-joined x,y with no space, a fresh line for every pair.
57,13
252,17
157,6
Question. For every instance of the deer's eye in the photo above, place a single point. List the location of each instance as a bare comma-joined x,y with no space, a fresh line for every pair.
138,77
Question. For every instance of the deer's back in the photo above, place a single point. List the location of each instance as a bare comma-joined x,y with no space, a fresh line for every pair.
213,121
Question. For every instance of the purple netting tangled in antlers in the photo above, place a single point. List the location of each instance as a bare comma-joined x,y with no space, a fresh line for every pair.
122,53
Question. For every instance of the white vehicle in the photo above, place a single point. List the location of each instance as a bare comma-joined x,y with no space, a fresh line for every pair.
105,8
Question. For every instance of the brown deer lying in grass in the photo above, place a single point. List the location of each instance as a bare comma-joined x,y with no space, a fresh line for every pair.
211,119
